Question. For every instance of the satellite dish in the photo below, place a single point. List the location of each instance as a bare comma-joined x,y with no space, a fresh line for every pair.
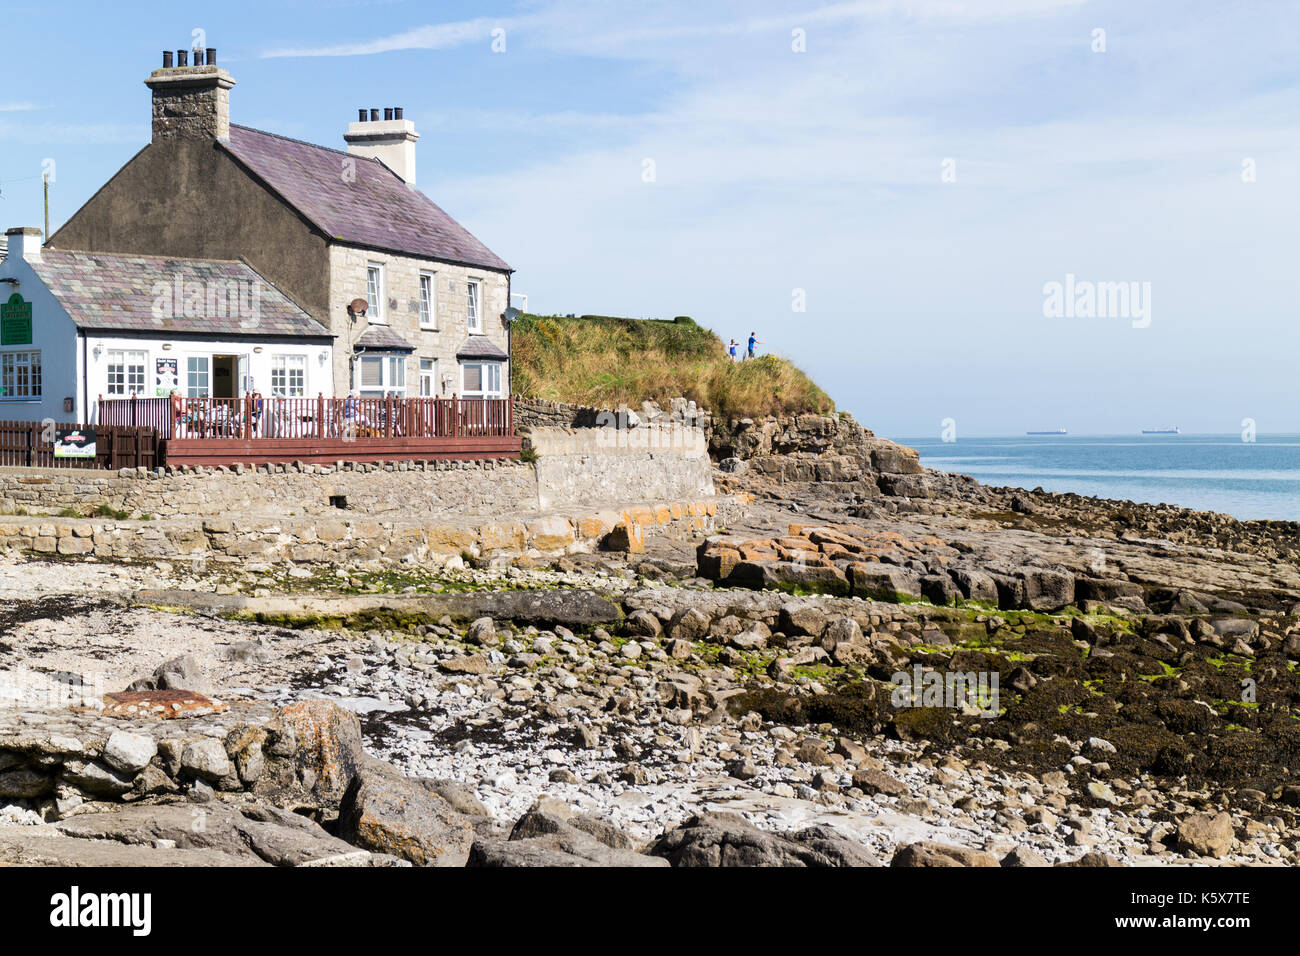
358,306
511,315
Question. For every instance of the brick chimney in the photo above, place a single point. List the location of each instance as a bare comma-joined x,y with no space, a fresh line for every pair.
390,140
24,243
190,101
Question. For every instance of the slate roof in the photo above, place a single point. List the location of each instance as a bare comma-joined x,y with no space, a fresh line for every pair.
370,205
117,292
480,346
381,337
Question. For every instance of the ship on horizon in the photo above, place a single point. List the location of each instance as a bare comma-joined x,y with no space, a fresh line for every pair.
1162,431
1054,431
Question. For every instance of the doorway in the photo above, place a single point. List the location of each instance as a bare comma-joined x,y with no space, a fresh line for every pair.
225,376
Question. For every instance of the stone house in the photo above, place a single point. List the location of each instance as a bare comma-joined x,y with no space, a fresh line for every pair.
75,326
415,303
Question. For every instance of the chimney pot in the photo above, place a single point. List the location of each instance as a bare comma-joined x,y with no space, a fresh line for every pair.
190,104
212,56
393,144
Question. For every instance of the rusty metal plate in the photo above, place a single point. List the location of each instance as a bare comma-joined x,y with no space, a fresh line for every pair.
163,704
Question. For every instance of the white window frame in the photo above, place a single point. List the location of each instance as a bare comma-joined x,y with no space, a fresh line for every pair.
206,372
283,366
489,371
474,306
10,367
375,296
429,301
428,378
122,359
392,372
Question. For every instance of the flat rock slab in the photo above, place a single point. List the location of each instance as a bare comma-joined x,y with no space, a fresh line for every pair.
47,846
255,834
570,607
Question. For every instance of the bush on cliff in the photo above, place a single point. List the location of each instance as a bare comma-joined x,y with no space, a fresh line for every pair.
606,361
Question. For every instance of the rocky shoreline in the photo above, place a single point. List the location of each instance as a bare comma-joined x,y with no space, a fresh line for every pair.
727,701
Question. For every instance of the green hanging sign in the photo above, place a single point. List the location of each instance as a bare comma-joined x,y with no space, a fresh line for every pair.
16,321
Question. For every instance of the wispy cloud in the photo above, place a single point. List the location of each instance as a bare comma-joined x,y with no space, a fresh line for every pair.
53,134
435,37
17,107
599,29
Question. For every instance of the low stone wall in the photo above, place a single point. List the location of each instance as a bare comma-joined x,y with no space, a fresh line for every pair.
539,413
361,539
479,487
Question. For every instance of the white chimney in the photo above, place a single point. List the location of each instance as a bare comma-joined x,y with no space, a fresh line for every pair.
24,243
390,140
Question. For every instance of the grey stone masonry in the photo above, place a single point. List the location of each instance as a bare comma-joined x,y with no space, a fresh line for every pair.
191,102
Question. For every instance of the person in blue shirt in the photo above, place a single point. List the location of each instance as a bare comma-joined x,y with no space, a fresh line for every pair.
753,341
731,350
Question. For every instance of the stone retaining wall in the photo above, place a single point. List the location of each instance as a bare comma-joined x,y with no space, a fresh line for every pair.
479,487
664,462
361,539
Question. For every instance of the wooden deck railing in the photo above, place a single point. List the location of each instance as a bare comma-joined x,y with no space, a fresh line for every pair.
349,419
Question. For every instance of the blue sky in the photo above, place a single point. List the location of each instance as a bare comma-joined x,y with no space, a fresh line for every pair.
776,170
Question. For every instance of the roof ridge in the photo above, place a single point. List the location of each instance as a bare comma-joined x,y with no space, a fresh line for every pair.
140,255
303,142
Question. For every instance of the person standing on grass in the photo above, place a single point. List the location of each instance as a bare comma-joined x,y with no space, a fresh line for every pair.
753,341
731,350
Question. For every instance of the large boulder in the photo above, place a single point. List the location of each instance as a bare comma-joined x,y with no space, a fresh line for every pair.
1206,834
884,582
928,854
312,751
975,585
544,838
1047,589
725,839
388,813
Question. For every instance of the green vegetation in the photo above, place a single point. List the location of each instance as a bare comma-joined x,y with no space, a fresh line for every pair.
604,362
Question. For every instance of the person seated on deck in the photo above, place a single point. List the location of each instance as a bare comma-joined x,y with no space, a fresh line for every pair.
353,420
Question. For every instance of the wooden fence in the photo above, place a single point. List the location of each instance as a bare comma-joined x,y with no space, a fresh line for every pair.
222,431
349,419
31,445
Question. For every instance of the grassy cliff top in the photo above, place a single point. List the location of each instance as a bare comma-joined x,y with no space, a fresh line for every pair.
606,361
